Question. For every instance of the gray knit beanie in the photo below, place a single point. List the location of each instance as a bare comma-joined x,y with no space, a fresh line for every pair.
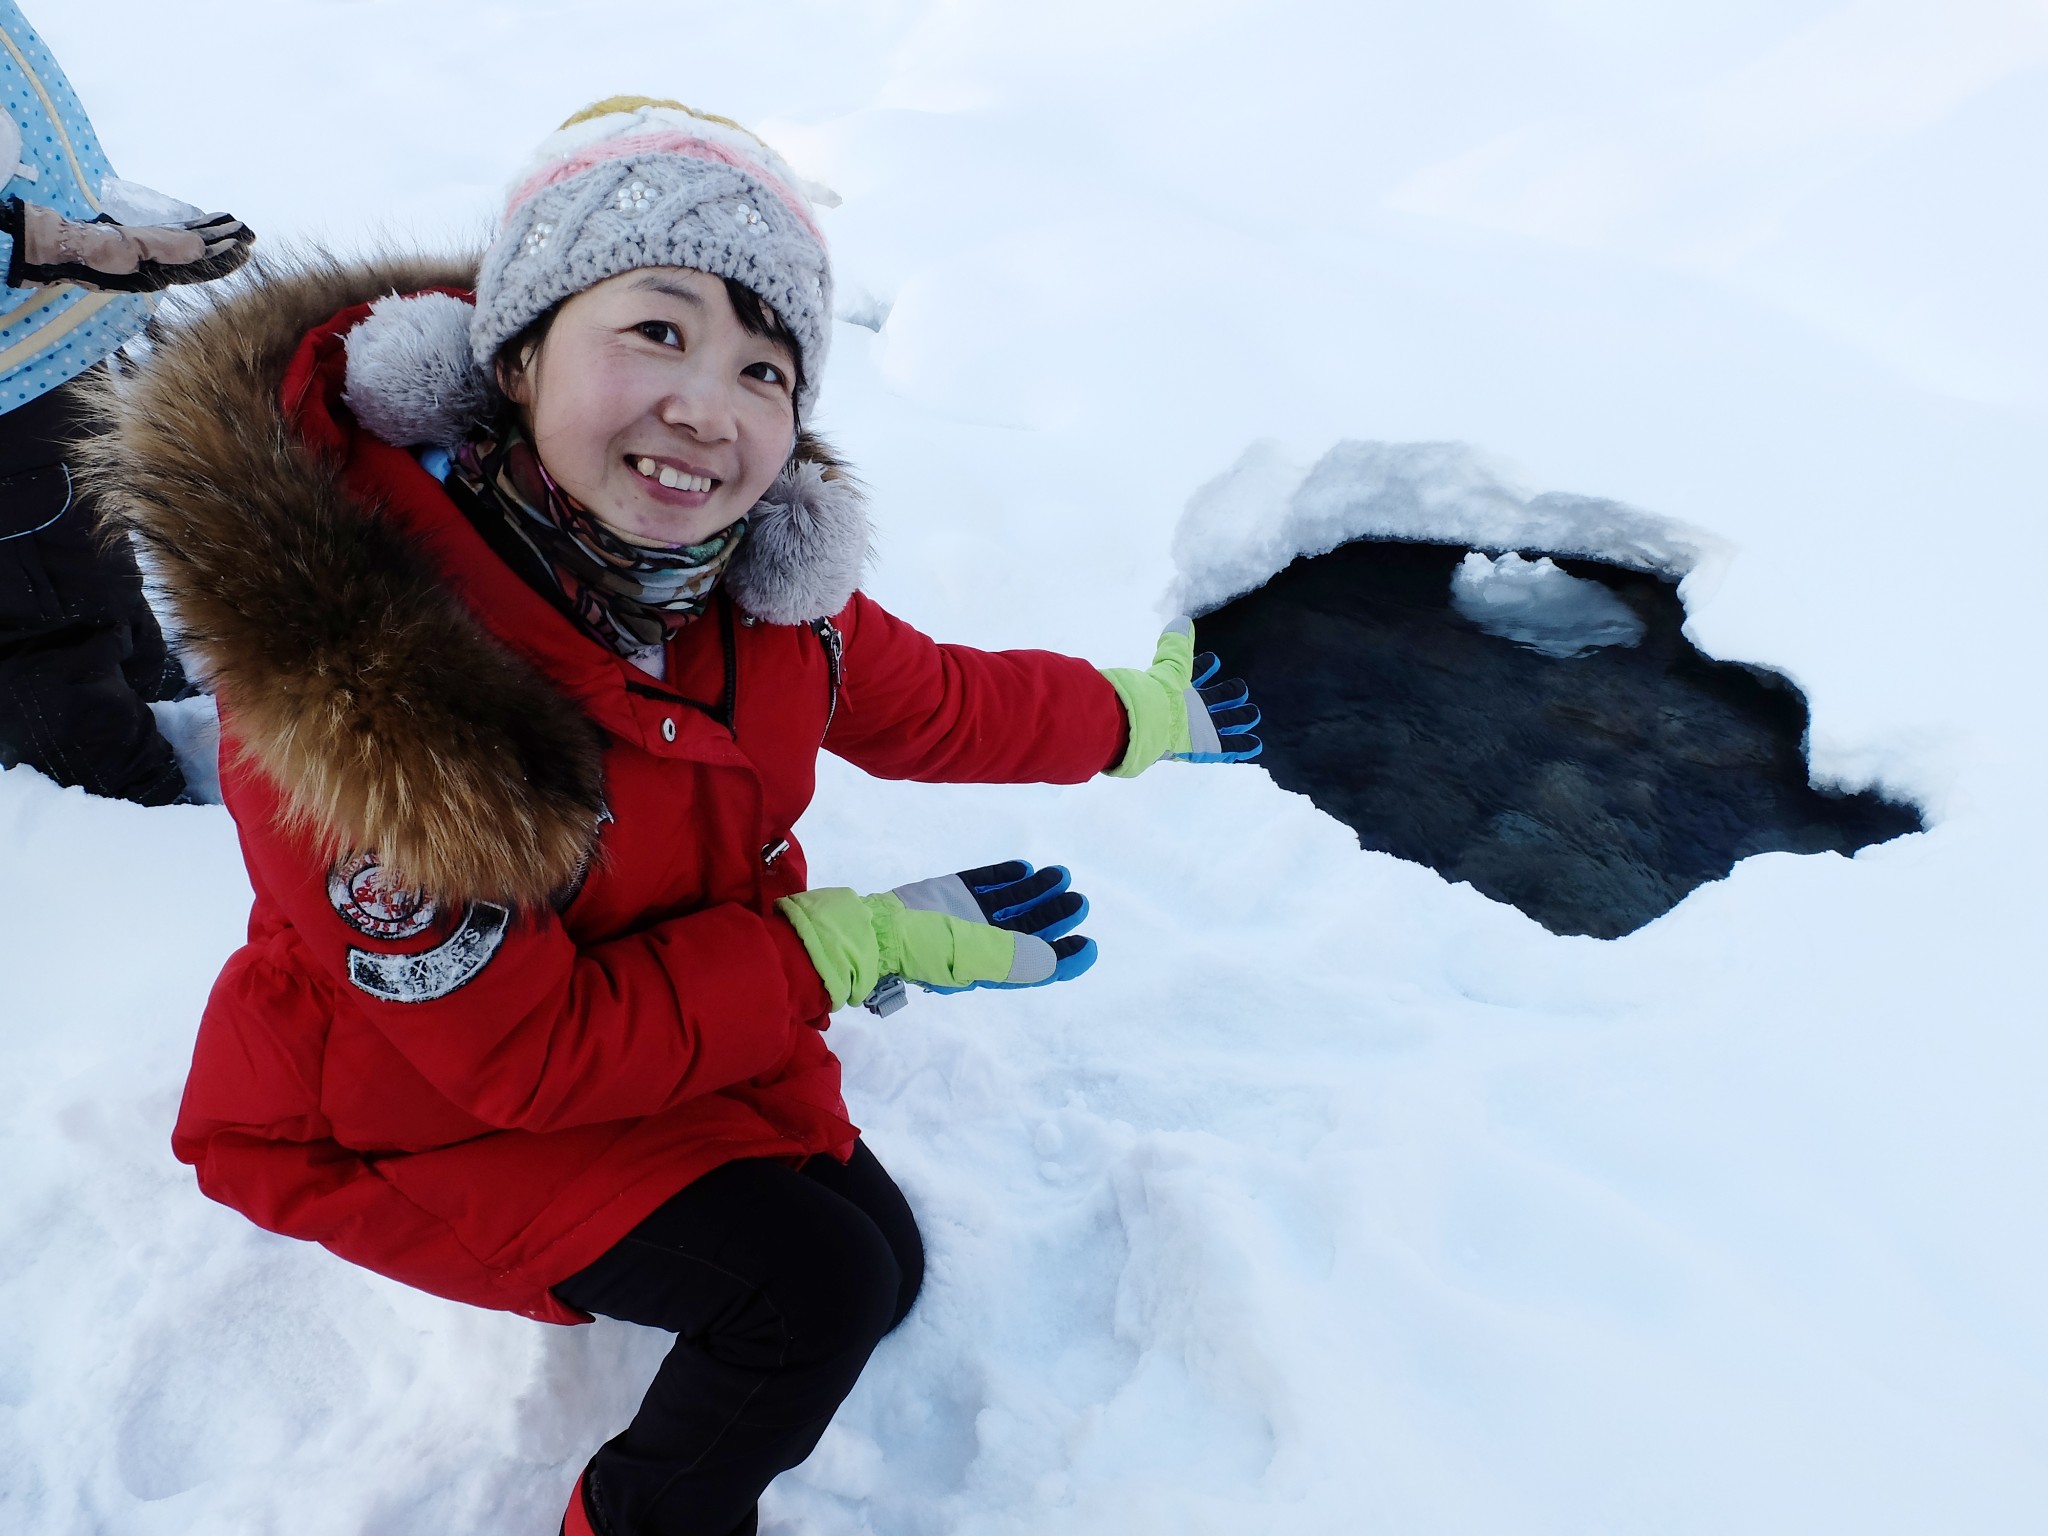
632,182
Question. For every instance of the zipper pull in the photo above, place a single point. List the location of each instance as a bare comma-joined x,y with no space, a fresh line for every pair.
835,645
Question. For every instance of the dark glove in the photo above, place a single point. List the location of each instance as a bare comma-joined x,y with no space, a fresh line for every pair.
119,258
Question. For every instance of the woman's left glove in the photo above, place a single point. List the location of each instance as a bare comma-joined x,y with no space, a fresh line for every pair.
1177,709
1005,925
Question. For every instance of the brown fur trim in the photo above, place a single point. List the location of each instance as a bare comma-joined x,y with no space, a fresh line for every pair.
393,722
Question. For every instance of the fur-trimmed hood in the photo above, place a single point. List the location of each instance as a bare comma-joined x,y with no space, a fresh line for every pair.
356,679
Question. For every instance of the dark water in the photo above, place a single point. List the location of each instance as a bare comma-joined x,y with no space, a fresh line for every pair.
1593,793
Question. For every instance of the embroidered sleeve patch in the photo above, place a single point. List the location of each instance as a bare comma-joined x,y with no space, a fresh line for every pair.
357,887
434,973
362,897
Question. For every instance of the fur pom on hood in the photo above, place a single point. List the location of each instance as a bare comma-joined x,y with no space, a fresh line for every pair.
392,719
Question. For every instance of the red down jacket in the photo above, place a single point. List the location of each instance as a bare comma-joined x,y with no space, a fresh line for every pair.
478,1099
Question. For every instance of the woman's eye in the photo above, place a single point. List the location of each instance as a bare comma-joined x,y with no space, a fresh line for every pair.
767,373
662,331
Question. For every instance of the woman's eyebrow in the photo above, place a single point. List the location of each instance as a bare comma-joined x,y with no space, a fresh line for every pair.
669,286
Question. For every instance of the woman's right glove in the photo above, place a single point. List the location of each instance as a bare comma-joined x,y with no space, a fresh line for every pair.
1005,925
1178,710
119,258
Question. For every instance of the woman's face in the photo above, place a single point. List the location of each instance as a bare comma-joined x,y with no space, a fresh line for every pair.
651,404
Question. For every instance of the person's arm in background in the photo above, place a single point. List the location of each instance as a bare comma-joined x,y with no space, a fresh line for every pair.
109,257
115,237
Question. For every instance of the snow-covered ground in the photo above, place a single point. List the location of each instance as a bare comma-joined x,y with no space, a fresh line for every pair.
1336,1199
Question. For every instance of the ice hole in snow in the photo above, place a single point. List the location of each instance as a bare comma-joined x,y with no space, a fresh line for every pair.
1531,721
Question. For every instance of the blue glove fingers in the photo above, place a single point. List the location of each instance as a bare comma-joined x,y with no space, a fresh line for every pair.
1076,954
1048,920
1001,902
1235,722
989,876
1225,695
1205,666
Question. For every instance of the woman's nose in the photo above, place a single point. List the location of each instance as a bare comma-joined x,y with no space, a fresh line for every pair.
703,407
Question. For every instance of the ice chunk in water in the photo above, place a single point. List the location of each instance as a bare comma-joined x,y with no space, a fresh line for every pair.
1533,603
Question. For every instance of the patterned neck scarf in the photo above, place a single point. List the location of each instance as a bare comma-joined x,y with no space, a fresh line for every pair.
630,596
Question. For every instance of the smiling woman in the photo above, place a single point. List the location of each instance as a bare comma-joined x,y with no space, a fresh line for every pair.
528,632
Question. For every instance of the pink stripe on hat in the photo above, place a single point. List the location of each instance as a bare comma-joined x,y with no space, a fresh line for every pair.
593,155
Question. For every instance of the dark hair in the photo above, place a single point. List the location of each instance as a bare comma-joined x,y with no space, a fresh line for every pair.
758,318
755,315
519,348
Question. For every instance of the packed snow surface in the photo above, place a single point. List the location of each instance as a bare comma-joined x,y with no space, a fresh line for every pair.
1335,1199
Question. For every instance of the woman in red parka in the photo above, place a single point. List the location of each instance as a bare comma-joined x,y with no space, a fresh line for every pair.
529,603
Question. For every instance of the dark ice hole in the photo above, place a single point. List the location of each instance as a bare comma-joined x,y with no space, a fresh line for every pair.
1593,791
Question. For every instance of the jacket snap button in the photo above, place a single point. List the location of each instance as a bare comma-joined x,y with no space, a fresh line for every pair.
668,729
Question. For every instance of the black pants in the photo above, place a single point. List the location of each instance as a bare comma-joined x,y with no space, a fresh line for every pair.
80,652
778,1284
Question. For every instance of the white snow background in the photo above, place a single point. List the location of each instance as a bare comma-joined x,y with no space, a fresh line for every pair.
1336,1198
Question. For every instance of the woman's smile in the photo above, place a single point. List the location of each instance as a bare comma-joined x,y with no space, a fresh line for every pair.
667,475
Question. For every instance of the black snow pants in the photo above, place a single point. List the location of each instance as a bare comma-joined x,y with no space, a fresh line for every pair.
778,1284
80,652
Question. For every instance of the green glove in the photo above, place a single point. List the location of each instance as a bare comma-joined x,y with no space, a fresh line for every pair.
1004,926
1177,709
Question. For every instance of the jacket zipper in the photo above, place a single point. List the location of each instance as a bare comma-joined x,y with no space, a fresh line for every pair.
835,647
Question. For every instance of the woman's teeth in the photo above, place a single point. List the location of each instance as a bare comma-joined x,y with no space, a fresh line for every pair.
673,478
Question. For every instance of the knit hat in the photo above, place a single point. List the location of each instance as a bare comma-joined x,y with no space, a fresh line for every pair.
634,182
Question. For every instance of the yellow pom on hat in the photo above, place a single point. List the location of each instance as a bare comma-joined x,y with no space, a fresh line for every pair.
613,104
